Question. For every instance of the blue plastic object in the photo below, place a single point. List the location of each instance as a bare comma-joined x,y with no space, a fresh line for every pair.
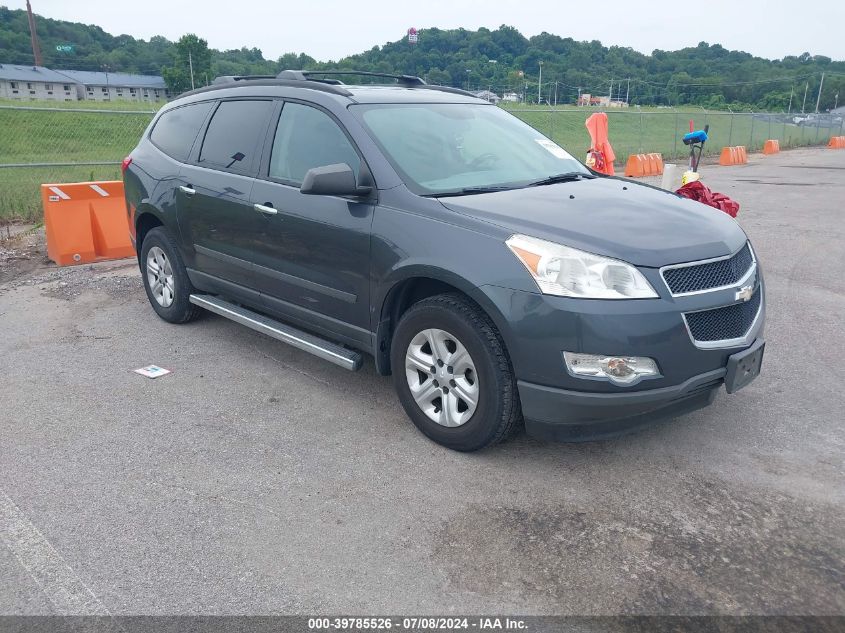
699,136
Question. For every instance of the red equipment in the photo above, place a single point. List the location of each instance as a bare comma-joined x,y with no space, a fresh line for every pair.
696,190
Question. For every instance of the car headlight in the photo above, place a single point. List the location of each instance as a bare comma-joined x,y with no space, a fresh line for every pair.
568,272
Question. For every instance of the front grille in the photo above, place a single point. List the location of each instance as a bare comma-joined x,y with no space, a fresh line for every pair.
726,323
697,277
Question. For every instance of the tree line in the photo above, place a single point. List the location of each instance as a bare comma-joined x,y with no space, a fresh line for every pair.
504,60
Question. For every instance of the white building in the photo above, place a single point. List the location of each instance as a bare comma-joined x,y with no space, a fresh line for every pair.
511,97
487,95
104,86
30,83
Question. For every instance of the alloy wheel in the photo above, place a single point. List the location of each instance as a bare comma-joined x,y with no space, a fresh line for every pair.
442,377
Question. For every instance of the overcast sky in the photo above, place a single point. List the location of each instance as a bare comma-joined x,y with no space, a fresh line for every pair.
331,29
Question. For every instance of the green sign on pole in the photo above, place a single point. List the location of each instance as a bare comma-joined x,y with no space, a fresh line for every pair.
64,48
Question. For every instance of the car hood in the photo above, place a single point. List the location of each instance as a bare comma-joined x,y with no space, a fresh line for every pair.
636,223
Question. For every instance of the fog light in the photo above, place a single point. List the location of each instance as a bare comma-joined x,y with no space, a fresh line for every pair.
622,370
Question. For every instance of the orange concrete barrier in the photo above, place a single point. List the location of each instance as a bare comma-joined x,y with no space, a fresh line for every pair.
836,142
772,146
644,165
85,222
658,164
733,155
634,166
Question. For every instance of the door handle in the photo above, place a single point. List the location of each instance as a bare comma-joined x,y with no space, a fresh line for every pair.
187,190
265,208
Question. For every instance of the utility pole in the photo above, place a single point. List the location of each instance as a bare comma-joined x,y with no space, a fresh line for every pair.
36,49
819,98
579,95
556,93
804,103
191,65
540,84
108,88
610,94
791,92
627,91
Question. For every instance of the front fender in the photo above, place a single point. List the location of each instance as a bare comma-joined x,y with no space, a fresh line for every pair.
388,296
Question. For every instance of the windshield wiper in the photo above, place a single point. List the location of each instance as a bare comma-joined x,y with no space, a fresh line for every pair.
471,191
565,177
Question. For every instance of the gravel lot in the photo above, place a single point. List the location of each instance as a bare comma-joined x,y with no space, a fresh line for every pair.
258,479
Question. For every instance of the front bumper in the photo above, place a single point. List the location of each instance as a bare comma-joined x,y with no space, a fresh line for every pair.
564,415
557,405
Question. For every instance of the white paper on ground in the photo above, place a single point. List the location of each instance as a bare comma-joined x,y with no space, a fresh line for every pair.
152,371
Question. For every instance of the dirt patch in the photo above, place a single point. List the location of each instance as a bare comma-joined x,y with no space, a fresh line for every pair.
118,279
78,281
23,251
703,548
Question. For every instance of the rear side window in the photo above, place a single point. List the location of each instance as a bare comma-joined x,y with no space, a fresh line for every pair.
175,130
305,138
235,135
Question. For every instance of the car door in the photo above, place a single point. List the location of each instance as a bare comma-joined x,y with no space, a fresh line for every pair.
312,260
215,214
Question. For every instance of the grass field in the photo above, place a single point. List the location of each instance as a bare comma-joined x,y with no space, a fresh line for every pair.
106,132
144,106
61,136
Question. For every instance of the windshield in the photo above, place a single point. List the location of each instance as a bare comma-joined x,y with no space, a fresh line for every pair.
446,148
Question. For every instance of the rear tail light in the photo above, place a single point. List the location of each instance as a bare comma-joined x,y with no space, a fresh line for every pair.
125,164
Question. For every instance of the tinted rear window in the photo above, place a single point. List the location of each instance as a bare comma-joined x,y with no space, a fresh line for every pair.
175,131
235,135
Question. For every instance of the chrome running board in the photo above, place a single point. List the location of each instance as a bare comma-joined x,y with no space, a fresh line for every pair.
332,352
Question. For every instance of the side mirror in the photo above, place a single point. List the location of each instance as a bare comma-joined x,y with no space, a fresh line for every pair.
332,180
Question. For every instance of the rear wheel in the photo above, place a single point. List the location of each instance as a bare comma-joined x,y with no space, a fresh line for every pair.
453,375
165,278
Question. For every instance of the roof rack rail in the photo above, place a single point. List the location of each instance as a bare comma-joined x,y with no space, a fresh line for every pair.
308,75
225,79
312,79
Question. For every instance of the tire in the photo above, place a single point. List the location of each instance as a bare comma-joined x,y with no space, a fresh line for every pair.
448,325
170,298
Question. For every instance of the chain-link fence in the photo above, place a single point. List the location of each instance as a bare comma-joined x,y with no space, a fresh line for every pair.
45,145
69,144
635,130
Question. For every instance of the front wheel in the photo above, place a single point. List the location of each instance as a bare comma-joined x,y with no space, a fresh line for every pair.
165,278
453,375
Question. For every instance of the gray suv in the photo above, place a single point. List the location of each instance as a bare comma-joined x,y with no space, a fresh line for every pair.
493,275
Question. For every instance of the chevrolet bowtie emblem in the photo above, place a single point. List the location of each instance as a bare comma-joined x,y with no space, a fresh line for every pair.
744,293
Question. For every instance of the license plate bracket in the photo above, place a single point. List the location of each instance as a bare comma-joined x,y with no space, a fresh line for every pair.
743,367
